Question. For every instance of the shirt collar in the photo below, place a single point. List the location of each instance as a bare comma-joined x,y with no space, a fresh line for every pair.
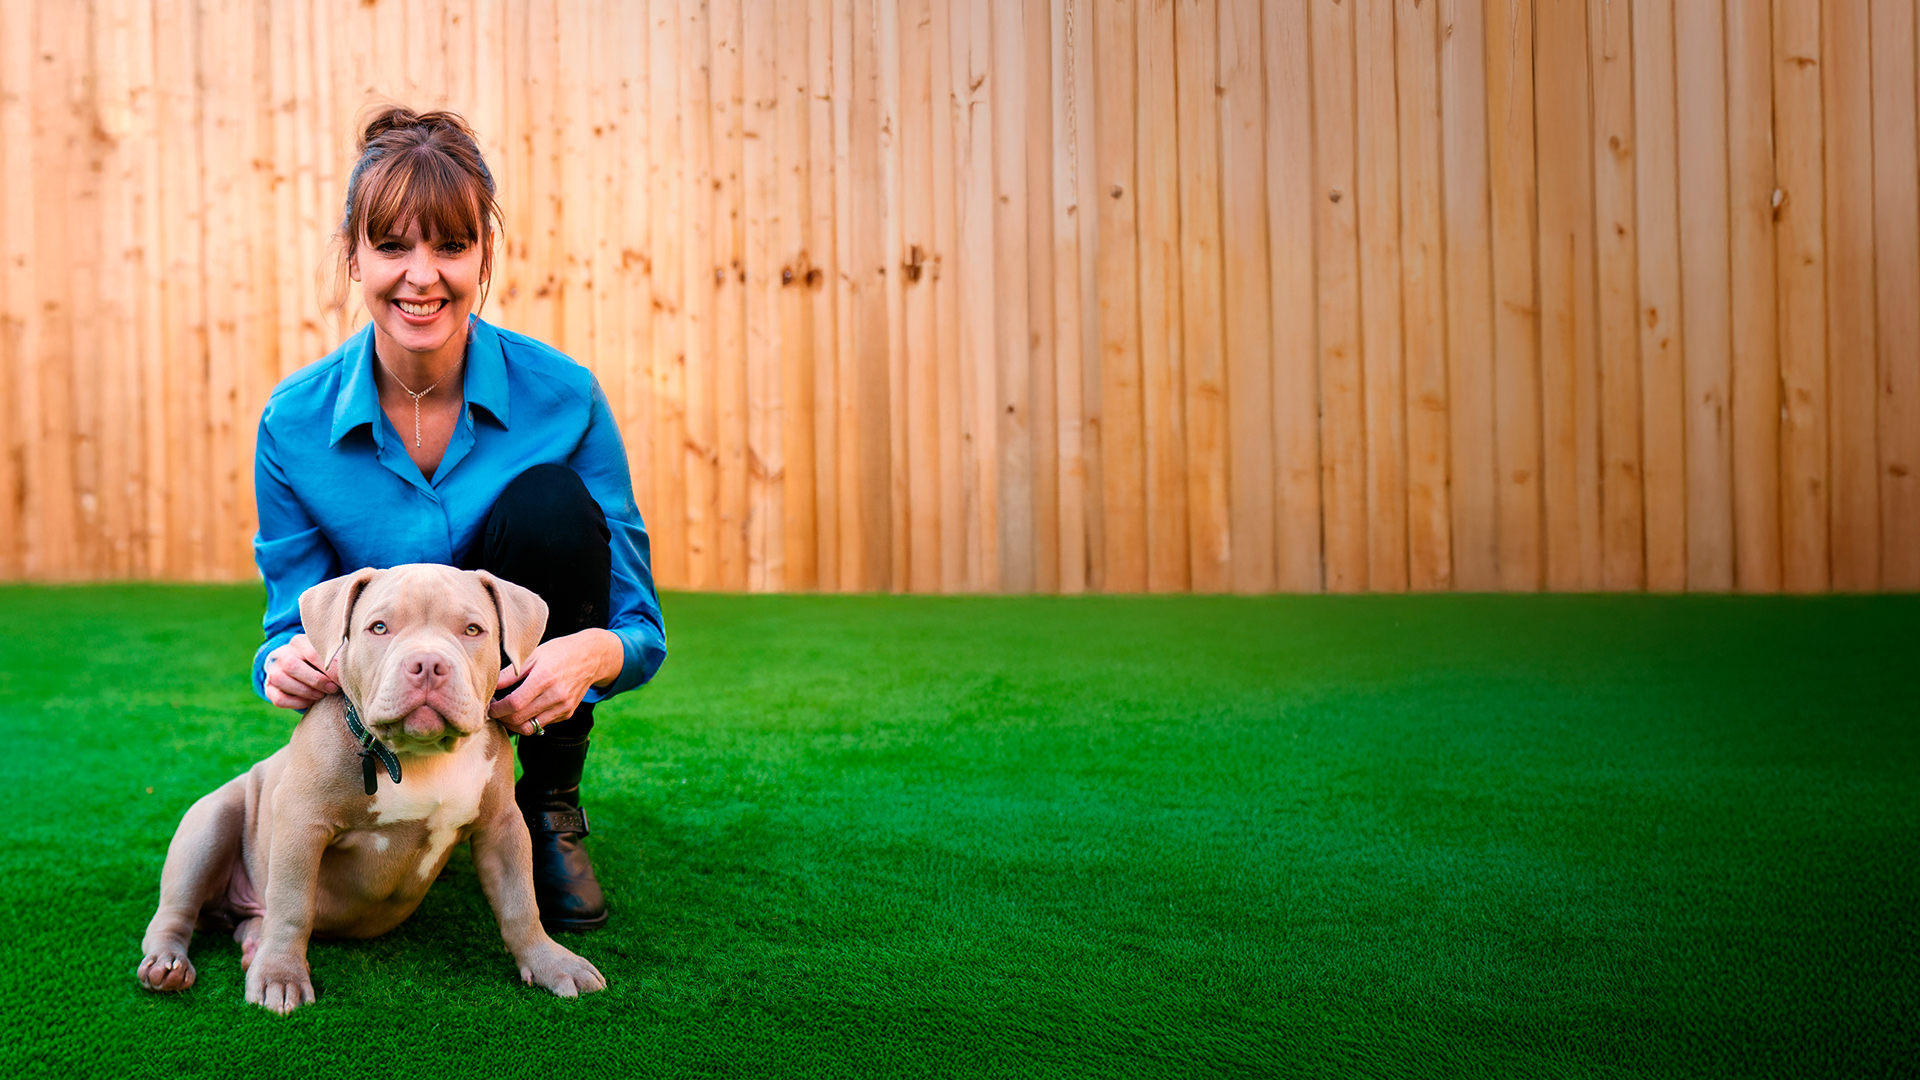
358,401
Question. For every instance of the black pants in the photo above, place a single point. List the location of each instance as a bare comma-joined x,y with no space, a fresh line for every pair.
546,533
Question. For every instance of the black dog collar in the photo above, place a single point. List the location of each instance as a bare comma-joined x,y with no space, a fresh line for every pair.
371,748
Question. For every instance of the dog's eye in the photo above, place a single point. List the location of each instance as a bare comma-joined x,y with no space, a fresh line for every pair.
474,630
377,628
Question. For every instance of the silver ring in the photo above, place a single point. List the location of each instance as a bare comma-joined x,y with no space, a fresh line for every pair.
537,729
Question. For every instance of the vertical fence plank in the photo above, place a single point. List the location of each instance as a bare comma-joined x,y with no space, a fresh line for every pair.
1078,55
799,554
16,172
717,490
1896,230
1610,52
844,407
1474,487
61,218
1662,367
893,269
822,106
1336,251
689,384
759,131
1568,378
669,516
183,328
1516,342
1043,415
1756,361
1013,388
944,269
1291,221
1801,258
1065,97
973,159
1123,497
1160,300
1705,289
1383,379
1423,296
1203,362
869,384
1847,109
1246,296
573,192
917,285
636,238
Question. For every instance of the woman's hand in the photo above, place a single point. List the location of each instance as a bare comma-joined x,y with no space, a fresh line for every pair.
295,679
555,678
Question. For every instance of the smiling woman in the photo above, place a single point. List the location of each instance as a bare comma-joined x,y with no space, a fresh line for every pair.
433,437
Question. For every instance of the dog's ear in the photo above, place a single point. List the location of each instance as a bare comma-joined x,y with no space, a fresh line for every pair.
326,608
523,616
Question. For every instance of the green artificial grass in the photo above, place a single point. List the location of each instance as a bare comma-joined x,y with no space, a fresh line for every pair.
870,836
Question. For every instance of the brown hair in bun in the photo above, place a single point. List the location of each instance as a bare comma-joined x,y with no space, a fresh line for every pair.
425,167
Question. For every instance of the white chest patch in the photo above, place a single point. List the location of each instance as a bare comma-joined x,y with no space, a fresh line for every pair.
443,790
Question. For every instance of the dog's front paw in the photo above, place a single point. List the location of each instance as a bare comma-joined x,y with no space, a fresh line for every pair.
562,971
279,983
166,967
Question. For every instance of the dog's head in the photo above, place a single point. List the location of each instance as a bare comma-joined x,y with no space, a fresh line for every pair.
419,646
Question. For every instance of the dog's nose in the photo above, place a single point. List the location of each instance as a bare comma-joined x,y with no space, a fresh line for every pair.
426,669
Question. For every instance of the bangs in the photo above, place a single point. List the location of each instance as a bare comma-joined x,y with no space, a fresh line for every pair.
421,184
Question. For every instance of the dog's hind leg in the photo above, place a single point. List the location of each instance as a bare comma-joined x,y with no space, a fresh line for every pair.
199,864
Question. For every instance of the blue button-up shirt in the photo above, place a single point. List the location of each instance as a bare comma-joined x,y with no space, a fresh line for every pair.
337,491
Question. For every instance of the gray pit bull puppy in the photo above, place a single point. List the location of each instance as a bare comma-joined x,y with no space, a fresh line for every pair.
295,847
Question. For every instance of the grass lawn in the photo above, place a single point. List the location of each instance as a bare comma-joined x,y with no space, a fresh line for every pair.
864,836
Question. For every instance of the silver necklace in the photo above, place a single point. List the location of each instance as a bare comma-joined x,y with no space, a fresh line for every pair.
415,396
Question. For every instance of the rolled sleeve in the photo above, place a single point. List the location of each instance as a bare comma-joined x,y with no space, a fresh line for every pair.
634,616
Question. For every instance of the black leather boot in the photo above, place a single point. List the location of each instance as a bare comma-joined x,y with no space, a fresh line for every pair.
549,797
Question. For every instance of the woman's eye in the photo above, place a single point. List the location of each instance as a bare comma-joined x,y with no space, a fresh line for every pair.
377,628
391,248
457,247
473,629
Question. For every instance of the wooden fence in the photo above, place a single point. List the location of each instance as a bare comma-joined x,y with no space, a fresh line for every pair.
1028,294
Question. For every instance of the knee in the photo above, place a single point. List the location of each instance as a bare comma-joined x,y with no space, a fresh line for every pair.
548,512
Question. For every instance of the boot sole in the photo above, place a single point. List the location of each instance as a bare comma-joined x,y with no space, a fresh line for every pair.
572,926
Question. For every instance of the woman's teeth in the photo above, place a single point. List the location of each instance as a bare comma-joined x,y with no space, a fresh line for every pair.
425,309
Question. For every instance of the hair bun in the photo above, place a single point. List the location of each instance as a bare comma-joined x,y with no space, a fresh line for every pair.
391,118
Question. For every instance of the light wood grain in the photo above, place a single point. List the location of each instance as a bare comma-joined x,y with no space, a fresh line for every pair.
1203,368
1423,295
822,270
1569,381
1516,341
1474,488
1012,391
1801,261
1343,449
1043,416
797,510
1847,113
1610,59
916,252
1896,265
1117,304
1706,292
1383,365
1662,345
717,482
1291,201
1161,339
1245,297
1756,362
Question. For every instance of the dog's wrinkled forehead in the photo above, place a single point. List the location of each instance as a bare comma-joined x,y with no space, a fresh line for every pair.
422,596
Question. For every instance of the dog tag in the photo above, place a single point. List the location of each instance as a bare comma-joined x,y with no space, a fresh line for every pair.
369,772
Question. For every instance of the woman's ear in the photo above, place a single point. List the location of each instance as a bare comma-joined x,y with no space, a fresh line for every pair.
523,616
326,608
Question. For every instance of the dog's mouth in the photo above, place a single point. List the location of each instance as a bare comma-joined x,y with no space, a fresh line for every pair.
423,727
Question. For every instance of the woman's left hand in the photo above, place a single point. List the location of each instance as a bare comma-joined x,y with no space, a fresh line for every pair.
549,686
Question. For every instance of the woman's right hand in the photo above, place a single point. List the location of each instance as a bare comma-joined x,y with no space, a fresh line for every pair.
295,679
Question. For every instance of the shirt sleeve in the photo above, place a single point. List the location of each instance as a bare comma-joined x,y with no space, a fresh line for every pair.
633,613
292,553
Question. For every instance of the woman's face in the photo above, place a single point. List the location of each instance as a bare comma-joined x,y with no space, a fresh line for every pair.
419,291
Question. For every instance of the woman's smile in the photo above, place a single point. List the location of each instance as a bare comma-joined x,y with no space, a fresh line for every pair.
420,310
